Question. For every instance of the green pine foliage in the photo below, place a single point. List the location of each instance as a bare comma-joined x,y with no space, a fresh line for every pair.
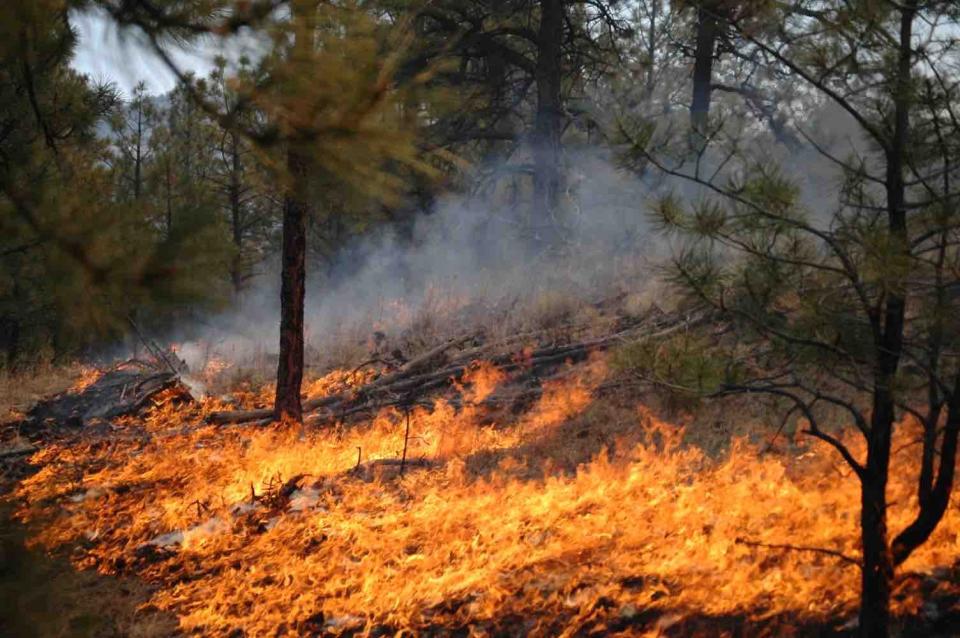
161,207
81,245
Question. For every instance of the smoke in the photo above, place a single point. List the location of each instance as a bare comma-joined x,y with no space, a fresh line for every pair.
470,261
474,261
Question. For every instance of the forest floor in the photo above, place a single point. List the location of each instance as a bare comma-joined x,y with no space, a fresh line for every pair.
45,596
42,594
544,495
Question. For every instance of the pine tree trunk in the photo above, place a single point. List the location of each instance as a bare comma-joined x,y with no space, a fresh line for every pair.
707,30
236,267
935,498
877,566
169,196
138,159
652,44
292,291
293,263
548,125
878,563
934,488
10,341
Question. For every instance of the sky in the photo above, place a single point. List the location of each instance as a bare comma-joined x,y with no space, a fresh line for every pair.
106,53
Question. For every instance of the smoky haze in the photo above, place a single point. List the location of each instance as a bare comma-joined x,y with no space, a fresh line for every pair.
467,259
471,262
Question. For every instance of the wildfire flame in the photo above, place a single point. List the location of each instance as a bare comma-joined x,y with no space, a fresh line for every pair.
272,530
88,376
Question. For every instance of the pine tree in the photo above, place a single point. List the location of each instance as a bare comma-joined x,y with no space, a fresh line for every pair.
242,181
852,309
81,247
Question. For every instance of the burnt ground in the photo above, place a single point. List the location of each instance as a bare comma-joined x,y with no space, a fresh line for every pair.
940,618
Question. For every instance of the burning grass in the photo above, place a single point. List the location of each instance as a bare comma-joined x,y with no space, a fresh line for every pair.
282,531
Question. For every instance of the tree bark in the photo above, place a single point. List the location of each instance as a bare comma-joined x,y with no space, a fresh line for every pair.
548,124
168,178
236,274
708,28
138,157
652,43
878,562
10,340
935,497
292,292
287,402
877,569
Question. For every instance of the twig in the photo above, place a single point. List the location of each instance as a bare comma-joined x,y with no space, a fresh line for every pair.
23,451
152,348
416,376
369,362
783,424
406,438
801,548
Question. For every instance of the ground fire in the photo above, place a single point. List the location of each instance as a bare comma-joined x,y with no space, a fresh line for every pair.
513,498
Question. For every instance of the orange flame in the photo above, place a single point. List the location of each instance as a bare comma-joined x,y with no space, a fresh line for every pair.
648,526
88,376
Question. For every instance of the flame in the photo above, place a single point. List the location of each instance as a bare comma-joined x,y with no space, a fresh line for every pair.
88,376
214,367
279,529
337,381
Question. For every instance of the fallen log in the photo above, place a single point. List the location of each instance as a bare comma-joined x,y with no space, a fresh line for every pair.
334,414
312,405
239,416
260,414
429,359
388,468
405,381
117,393
18,451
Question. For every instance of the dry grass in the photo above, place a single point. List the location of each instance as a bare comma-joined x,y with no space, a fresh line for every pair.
20,390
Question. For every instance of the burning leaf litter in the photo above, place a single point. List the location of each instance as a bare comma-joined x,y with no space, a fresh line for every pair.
292,531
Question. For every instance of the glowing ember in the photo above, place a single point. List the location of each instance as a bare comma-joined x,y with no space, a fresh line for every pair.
262,530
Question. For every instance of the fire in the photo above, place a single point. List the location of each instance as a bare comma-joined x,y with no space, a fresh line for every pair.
274,530
214,367
337,381
88,376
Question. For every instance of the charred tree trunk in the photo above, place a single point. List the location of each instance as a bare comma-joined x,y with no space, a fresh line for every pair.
935,496
293,261
10,340
236,267
548,125
934,486
708,29
877,568
168,175
878,564
138,158
292,291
